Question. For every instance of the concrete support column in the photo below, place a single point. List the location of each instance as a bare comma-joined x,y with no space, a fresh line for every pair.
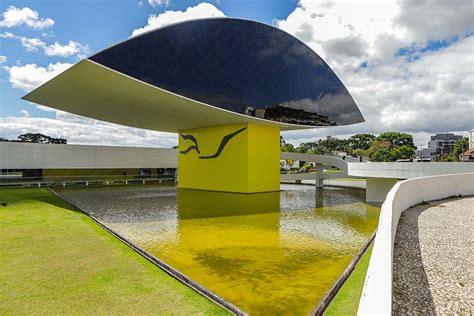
377,188
239,158
319,174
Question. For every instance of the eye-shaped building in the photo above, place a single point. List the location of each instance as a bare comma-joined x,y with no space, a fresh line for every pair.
228,86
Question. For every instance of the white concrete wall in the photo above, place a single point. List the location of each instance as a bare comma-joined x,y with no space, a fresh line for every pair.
378,188
471,138
377,294
407,170
47,156
321,159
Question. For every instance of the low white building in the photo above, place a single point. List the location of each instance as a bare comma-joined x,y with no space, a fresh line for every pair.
56,160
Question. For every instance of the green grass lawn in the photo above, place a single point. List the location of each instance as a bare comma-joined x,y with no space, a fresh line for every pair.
347,299
54,260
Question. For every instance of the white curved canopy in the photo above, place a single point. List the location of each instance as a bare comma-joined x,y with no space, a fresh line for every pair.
93,90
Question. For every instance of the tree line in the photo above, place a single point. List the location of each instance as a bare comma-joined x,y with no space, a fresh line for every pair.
459,147
35,138
388,146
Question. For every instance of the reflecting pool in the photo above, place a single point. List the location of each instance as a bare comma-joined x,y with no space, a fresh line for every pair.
269,253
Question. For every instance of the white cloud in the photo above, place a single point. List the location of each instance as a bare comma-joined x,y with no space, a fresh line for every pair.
43,108
56,49
432,91
339,20
348,46
202,10
32,44
305,32
30,76
24,113
155,3
3,59
7,35
435,19
14,16
72,48
81,130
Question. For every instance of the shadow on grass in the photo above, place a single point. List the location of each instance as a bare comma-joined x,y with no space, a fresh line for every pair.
9,197
411,290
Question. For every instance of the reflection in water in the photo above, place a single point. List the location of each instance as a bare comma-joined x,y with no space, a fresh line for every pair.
207,204
267,253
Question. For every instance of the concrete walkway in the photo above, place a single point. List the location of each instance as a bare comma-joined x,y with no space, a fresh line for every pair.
433,264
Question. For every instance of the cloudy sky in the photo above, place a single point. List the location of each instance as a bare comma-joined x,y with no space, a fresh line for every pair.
408,64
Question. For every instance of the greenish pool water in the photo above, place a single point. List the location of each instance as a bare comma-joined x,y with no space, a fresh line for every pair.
271,253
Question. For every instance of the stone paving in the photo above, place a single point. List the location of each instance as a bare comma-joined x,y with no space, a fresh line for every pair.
433,260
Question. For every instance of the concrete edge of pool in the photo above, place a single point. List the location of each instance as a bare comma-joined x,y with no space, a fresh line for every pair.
319,309
161,264
337,285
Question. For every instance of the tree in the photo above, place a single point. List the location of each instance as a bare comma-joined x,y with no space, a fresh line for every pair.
377,145
402,152
358,152
361,141
449,158
397,139
382,154
288,148
391,146
306,147
459,147
40,138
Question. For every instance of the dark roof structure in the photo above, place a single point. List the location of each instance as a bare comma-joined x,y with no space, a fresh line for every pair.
202,73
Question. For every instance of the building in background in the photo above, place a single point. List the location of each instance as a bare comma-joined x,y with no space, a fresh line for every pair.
467,156
441,145
471,138
425,153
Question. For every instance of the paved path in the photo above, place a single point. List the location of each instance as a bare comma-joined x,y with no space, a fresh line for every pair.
433,264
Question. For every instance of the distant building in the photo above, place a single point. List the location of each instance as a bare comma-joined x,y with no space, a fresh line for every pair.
442,144
425,153
471,139
468,155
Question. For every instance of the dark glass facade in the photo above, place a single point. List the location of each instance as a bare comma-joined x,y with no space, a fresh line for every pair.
238,65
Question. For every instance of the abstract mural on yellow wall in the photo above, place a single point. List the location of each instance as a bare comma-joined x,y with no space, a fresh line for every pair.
241,158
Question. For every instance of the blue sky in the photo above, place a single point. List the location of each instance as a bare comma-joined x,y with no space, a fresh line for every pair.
99,24
409,65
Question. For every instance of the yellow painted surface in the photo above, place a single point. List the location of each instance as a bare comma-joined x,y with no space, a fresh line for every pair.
249,163
268,253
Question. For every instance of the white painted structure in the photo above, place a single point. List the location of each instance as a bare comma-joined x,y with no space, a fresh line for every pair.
320,159
471,139
55,156
377,293
381,176
93,90
406,170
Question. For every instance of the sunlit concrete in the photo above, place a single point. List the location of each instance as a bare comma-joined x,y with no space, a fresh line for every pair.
57,156
376,297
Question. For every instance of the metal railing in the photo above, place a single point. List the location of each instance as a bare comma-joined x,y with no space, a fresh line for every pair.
89,180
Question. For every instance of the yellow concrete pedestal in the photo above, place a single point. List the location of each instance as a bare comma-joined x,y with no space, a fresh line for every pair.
240,158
